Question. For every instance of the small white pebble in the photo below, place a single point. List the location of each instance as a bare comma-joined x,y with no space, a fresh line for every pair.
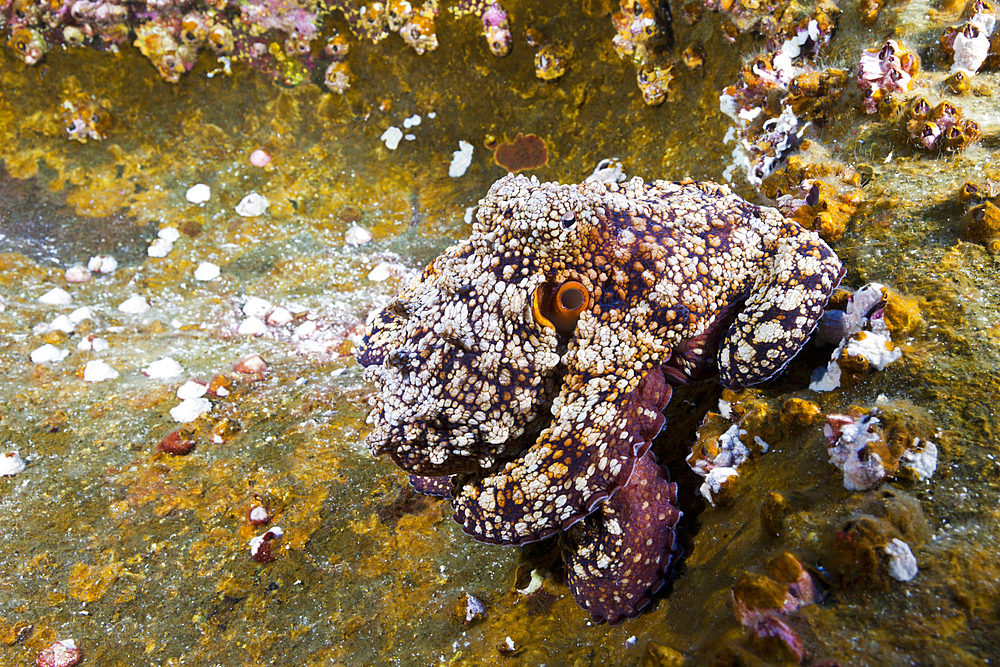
98,371
134,305
410,137
259,514
163,368
391,137
11,464
47,354
305,330
256,307
191,389
82,313
461,159
62,323
56,296
279,316
252,205
199,193
190,409
169,234
259,158
103,264
432,115
357,235
902,563
93,344
412,121
207,271
77,274
380,272
160,248
251,326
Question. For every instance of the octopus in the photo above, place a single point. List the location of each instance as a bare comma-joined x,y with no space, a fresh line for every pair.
523,374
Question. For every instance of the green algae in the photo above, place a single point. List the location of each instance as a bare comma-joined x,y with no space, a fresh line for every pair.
144,559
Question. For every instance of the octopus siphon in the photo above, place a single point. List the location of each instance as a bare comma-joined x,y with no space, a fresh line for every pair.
523,374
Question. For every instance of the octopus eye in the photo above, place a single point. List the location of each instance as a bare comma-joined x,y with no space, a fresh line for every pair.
568,220
560,307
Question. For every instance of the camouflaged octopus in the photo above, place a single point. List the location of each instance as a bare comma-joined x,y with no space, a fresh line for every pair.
525,371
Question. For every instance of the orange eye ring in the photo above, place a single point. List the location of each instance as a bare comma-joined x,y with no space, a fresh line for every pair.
560,307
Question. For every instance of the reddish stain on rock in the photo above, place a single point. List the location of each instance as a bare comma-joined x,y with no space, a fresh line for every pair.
524,152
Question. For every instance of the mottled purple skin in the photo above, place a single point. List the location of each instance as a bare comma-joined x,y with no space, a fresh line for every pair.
619,556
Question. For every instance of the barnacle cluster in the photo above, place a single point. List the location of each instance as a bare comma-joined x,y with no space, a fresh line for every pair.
496,26
819,195
942,127
551,58
641,35
969,45
781,93
281,38
884,71
84,117
981,204
337,76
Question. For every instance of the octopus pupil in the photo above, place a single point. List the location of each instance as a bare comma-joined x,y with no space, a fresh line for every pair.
571,299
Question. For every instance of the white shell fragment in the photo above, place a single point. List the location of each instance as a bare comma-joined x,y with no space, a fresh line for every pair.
56,296
380,272
191,389
392,137
412,121
77,274
252,205
902,562
279,316
163,368
357,235
252,326
207,271
98,371
256,307
199,193
103,264
11,464
461,159
93,344
190,409
47,354
159,248
134,305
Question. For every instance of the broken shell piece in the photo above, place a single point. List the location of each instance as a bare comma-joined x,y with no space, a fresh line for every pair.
902,562
252,205
357,235
252,365
199,193
260,546
56,296
77,274
190,409
63,653
98,371
206,271
11,464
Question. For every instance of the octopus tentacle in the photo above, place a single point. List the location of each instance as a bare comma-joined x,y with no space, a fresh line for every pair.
783,308
619,556
573,466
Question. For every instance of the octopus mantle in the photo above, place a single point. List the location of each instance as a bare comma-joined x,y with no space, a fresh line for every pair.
525,371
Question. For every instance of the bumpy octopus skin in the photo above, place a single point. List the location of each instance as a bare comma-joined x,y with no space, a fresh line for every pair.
530,363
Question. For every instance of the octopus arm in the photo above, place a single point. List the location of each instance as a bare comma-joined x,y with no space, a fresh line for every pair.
619,556
601,426
782,309
432,486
